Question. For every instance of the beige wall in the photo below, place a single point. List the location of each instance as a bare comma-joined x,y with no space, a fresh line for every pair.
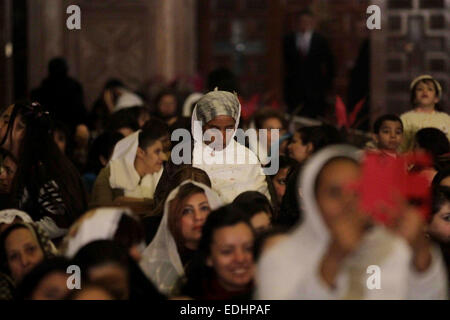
133,40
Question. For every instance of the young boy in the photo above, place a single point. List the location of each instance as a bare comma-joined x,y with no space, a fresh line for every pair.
388,134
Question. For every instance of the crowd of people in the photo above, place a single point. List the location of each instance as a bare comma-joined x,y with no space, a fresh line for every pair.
146,216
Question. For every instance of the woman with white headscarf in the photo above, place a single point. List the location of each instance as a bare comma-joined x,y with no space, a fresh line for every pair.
119,226
10,216
133,172
178,235
334,251
231,166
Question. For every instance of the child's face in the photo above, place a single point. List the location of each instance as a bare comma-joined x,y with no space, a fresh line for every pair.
390,135
439,227
426,94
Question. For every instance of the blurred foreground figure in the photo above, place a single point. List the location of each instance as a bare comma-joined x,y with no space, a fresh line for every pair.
329,254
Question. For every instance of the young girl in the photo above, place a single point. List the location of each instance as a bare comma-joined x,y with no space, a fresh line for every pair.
224,267
327,256
178,236
425,94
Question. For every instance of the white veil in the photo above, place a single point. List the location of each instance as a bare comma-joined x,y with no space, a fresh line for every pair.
160,260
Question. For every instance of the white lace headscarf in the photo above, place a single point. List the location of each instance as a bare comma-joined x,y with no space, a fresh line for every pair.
7,216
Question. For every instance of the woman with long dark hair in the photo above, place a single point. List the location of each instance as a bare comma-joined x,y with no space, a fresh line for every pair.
46,183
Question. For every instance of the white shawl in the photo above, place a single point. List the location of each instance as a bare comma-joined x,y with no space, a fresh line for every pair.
229,178
160,260
98,224
123,173
290,269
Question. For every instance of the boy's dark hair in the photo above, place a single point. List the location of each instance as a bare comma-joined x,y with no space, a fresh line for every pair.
153,130
386,117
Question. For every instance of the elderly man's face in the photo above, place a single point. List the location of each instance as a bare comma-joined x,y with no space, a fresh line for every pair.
305,23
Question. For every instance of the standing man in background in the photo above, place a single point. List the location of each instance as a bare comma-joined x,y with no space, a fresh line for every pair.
308,68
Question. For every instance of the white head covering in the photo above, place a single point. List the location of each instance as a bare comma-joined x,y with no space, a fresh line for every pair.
99,224
427,77
213,104
123,174
7,216
187,105
289,269
128,99
160,260
228,178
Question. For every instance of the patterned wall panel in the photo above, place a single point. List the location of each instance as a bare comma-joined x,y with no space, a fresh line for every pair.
113,42
414,40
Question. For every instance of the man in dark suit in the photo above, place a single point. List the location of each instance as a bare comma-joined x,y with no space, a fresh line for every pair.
308,68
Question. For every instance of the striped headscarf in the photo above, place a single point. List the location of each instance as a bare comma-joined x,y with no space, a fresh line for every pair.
217,103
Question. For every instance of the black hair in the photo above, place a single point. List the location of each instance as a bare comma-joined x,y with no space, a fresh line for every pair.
320,136
31,280
440,175
440,195
40,160
125,118
152,131
252,202
161,94
129,232
113,83
198,272
386,117
266,113
57,67
7,154
306,12
100,252
103,146
224,79
285,162
434,141
289,213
